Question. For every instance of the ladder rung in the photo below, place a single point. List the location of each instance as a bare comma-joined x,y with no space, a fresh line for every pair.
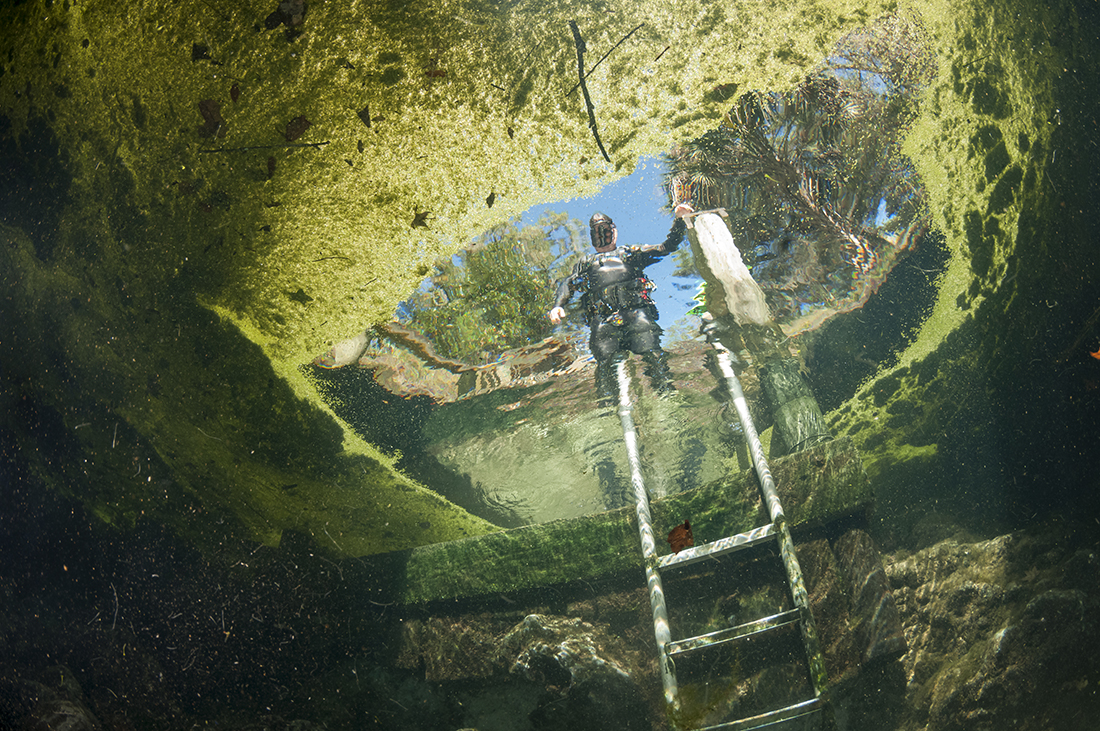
771,717
729,634
717,548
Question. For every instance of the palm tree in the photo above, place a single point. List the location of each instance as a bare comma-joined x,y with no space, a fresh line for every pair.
818,193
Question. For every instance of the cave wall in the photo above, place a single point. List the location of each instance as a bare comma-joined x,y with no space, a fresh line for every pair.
184,243
169,266
986,416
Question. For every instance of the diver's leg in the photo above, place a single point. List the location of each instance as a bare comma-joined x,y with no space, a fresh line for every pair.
605,344
645,340
656,368
606,383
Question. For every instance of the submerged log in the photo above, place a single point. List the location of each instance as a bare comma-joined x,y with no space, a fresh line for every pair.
798,418
731,290
737,302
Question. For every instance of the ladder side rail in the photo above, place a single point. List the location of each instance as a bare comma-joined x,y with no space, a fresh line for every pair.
771,498
661,630
756,449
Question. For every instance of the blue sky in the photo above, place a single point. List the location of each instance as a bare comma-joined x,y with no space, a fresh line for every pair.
636,204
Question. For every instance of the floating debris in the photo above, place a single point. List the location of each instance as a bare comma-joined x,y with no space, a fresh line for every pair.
364,116
680,537
297,127
621,40
432,70
270,167
290,13
200,52
581,48
721,93
235,92
213,124
300,296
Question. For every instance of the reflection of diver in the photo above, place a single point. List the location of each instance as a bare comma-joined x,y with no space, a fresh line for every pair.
620,312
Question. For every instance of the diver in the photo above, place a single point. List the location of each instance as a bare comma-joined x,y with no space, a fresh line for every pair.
618,306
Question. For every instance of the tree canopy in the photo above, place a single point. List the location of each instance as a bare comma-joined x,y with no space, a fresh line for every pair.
821,200
494,294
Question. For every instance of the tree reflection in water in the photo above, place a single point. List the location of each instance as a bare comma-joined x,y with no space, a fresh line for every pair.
822,202
494,294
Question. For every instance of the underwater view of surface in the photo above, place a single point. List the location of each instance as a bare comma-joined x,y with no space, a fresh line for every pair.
545,366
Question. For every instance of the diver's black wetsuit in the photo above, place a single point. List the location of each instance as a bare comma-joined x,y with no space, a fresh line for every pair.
620,312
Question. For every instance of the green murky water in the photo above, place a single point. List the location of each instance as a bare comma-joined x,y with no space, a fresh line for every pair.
203,526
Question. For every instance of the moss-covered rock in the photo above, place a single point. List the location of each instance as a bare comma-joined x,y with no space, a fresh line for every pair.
817,486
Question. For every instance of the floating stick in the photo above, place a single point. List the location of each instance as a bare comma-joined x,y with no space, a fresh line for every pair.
605,56
584,88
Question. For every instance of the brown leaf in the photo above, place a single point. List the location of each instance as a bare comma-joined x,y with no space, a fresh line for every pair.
680,537
297,127
211,111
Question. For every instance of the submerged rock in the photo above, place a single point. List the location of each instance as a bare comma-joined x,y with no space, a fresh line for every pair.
1001,632
58,704
558,672
543,645
587,672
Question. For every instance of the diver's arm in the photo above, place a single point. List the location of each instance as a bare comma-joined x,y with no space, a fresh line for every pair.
652,252
562,296
675,236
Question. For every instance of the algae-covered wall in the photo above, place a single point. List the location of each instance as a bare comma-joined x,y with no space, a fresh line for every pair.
984,416
200,197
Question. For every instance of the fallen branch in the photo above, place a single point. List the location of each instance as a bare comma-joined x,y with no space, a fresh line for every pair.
605,56
584,87
315,145
420,346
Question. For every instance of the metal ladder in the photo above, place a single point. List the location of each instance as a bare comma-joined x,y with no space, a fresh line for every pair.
667,648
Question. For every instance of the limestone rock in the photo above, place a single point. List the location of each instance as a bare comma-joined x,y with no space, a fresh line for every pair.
60,706
1001,631
585,651
448,648
589,674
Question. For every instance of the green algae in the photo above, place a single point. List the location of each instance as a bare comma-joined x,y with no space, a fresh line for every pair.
160,219
980,144
817,486
187,423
